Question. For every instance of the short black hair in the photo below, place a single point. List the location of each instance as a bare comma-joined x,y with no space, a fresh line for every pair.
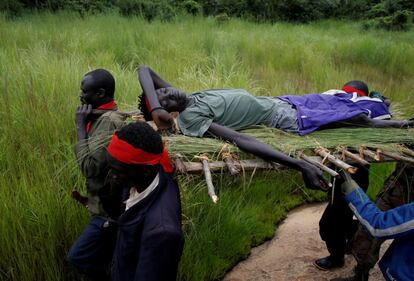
141,135
104,80
360,85
142,106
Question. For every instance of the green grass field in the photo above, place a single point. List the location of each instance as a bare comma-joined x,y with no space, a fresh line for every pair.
43,58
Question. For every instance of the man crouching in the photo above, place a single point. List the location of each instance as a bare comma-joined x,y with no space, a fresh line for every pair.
150,240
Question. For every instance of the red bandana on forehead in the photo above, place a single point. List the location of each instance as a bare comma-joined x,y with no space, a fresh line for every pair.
350,89
126,153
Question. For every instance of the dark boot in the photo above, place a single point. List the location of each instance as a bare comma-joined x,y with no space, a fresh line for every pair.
360,274
329,262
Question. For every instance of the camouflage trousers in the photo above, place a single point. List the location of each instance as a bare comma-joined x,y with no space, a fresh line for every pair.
398,189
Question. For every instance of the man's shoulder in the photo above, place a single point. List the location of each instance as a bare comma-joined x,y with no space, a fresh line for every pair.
112,118
114,115
108,121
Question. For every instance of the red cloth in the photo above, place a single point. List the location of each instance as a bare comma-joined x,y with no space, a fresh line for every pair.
147,104
350,89
128,154
109,105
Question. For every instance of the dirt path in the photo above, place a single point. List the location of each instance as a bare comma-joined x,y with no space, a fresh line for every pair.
289,255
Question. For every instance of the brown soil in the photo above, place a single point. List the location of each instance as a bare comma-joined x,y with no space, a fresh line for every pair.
290,254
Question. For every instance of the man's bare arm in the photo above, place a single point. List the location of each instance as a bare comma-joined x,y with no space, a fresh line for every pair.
82,114
150,82
312,176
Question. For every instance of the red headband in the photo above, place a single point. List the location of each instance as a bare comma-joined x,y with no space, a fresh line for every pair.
350,89
126,153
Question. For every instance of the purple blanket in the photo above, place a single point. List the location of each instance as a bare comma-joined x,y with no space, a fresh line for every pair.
316,110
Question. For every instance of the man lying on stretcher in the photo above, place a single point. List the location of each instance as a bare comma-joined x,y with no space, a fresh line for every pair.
220,112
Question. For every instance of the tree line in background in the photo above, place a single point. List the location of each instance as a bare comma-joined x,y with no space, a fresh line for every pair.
386,14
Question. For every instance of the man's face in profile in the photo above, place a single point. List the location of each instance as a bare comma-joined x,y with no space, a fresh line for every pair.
172,99
129,175
88,91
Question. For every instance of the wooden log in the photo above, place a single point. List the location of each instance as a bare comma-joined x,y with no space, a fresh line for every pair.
363,151
251,164
209,181
340,164
405,150
196,167
396,156
180,167
317,164
226,155
228,159
354,157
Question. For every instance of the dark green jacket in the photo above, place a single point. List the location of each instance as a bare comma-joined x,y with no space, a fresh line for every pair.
91,157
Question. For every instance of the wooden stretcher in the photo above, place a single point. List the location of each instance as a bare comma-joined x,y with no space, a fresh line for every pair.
323,158
342,153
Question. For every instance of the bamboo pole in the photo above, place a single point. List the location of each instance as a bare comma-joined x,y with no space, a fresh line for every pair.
340,164
354,157
317,164
209,181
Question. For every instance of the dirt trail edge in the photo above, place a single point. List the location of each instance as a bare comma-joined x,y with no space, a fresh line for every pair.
290,254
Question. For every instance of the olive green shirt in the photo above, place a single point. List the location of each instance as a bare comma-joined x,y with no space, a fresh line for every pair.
233,108
91,156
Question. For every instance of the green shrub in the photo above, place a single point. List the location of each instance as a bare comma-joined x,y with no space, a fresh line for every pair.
166,11
394,6
192,7
391,15
304,10
210,7
385,14
353,9
398,21
148,9
11,7
84,7
222,18
262,10
130,7
378,10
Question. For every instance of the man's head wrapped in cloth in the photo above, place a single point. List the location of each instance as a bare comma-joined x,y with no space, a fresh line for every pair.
135,154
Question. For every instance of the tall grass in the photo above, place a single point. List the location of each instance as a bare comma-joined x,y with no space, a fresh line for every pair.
43,57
